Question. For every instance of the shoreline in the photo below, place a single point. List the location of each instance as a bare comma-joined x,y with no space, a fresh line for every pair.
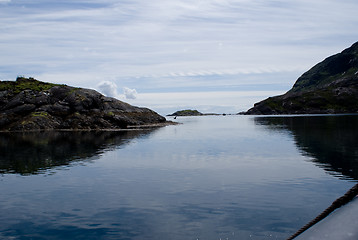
129,128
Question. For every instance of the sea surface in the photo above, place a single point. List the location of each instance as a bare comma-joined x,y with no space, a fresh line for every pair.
210,177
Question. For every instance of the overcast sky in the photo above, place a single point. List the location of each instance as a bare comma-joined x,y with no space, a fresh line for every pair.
210,55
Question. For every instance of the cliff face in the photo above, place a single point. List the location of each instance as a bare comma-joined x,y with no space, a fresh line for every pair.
29,104
331,86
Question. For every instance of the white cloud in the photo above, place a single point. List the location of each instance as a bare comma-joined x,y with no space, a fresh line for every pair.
130,93
85,42
160,37
108,88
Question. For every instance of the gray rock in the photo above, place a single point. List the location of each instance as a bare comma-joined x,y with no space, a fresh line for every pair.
28,104
21,109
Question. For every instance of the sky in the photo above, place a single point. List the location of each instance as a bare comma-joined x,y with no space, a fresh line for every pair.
217,56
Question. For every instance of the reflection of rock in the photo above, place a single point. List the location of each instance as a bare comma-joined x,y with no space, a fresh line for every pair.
330,140
33,152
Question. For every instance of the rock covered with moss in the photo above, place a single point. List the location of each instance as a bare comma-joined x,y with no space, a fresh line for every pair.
29,104
331,86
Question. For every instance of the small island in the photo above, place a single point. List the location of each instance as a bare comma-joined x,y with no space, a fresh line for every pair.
189,112
28,104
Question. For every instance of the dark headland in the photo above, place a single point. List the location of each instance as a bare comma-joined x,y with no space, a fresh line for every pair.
28,104
331,86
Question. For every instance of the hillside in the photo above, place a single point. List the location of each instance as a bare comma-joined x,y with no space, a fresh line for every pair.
28,104
331,86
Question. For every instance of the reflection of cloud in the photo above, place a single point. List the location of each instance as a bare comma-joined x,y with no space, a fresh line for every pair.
108,88
130,93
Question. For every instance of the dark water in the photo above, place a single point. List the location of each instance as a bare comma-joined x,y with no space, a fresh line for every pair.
232,177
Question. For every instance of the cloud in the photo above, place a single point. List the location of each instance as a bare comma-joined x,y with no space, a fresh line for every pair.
162,37
108,88
224,71
177,43
130,93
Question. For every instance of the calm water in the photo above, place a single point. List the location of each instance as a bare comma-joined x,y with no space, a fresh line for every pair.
232,177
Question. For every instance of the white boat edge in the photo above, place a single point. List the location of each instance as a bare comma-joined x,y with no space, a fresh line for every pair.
339,225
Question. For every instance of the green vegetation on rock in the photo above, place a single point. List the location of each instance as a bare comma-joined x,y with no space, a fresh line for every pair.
23,83
39,114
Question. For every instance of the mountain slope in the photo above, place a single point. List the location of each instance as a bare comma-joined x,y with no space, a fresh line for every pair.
331,86
28,104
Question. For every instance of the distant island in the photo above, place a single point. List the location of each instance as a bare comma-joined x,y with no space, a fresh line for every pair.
331,86
28,104
187,112
190,112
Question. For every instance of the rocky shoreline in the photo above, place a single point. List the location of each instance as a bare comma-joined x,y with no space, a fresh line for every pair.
128,128
28,104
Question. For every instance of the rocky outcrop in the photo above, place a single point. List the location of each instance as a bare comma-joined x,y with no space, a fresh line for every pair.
187,112
28,104
329,87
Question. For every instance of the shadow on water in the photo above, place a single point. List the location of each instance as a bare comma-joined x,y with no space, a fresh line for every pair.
331,141
35,152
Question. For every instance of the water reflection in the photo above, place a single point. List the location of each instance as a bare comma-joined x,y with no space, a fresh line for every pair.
330,141
209,178
34,152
